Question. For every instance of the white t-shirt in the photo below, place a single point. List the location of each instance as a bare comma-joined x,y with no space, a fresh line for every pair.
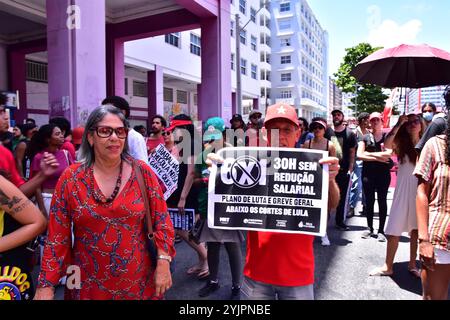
137,146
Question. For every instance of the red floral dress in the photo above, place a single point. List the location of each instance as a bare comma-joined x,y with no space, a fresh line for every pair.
109,238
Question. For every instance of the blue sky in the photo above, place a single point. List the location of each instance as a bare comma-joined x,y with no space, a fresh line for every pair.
384,23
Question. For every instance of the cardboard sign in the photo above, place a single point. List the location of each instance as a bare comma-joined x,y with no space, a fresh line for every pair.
166,168
269,189
182,221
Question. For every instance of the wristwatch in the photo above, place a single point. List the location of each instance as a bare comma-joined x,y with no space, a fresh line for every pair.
163,257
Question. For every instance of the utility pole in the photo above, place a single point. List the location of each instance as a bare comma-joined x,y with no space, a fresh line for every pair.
238,66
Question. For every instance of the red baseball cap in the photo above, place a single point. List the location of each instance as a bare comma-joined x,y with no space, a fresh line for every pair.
178,123
281,111
77,135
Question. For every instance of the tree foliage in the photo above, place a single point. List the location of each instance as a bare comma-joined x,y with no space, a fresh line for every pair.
370,98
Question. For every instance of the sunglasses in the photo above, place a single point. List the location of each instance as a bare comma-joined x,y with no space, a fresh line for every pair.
106,132
166,133
413,122
314,127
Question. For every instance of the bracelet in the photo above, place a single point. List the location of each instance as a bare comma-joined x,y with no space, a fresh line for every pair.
424,240
163,257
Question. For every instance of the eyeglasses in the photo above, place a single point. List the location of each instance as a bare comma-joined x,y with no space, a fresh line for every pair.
106,132
166,133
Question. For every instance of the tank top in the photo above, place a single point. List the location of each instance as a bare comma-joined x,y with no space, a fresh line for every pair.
15,269
328,144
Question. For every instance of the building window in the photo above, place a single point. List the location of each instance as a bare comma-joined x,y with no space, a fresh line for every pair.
285,59
243,37
182,97
232,28
286,76
232,61
253,43
243,66
243,6
285,7
37,71
285,24
254,71
195,44
168,94
173,39
140,89
195,99
126,86
286,42
253,15
286,94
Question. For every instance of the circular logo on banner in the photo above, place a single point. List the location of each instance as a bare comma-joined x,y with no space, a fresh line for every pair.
246,172
9,291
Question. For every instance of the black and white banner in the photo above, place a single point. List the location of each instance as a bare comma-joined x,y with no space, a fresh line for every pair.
166,168
269,189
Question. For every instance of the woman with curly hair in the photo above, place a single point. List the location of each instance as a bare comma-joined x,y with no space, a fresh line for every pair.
402,218
433,215
49,139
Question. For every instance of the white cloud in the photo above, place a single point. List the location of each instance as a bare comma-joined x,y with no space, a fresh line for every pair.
418,8
390,34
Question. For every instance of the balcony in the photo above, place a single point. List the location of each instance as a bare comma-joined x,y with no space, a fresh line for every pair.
265,65
285,33
310,103
288,101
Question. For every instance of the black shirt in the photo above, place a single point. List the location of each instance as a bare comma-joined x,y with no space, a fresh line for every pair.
374,167
15,276
347,140
436,127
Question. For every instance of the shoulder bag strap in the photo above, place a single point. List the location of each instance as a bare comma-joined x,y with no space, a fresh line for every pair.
141,182
66,154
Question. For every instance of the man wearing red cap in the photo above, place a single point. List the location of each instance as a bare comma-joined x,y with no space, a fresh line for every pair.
281,265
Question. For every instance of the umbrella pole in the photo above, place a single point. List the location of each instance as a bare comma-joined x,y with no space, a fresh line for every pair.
407,76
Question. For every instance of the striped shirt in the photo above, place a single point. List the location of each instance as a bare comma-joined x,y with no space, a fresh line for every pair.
433,169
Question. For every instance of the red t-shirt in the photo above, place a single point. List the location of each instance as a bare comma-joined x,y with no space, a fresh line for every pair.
153,143
280,259
67,145
8,164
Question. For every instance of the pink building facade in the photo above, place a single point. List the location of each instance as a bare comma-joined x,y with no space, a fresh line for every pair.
84,44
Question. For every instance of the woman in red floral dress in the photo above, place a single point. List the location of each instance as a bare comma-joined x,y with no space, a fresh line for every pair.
101,201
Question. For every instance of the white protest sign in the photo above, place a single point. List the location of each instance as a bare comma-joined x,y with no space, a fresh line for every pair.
166,168
269,189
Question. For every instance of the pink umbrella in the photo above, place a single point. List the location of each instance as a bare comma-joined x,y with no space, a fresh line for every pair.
410,66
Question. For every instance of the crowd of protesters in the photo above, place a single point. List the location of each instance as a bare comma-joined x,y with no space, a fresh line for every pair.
87,184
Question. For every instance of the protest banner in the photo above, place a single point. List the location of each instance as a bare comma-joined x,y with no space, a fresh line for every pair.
166,168
182,221
269,189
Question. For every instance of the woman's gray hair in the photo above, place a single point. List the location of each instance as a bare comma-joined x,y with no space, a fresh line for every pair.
86,154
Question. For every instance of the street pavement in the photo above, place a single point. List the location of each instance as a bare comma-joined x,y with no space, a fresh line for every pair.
341,270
